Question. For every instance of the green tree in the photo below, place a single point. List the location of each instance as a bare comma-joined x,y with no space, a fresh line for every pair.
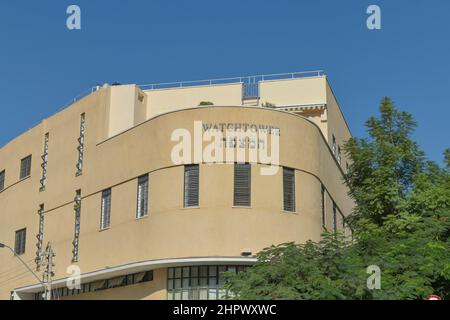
401,223
325,270
383,166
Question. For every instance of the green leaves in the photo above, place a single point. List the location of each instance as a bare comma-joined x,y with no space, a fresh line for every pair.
401,223
384,165
412,253
324,270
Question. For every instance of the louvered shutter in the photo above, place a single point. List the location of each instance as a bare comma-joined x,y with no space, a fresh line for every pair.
191,185
322,204
242,185
288,189
2,180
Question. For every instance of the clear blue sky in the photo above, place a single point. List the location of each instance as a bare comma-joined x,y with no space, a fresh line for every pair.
43,64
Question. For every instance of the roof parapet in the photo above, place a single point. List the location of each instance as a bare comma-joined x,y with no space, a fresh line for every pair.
240,79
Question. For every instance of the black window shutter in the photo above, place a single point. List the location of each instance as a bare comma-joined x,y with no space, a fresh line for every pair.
334,217
242,185
2,180
288,189
191,185
106,209
322,204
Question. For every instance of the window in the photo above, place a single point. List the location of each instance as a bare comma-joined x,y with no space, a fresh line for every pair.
2,180
19,247
120,281
288,189
191,174
105,218
339,154
322,204
242,185
25,167
334,217
198,282
334,145
142,197
76,237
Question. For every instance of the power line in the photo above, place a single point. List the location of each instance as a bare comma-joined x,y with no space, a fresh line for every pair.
13,270
16,277
47,275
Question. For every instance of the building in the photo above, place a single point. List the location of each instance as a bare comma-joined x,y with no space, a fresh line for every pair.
98,181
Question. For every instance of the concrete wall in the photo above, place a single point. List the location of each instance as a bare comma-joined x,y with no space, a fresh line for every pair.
127,107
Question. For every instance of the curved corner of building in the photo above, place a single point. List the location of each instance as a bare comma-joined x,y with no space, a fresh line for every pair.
153,192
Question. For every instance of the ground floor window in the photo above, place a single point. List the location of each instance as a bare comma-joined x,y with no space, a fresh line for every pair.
199,282
120,281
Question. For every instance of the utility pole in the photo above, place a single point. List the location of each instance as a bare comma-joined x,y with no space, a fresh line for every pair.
2,245
48,273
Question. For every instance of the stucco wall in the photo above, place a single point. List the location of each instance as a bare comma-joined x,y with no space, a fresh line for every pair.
289,92
213,229
166,100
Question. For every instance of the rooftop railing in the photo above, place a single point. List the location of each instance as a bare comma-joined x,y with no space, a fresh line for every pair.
245,79
250,81
250,89
79,97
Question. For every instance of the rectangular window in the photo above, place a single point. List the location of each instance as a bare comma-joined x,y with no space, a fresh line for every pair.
199,282
242,185
142,197
339,154
2,180
334,144
322,205
116,282
25,167
105,219
334,217
19,246
191,185
288,189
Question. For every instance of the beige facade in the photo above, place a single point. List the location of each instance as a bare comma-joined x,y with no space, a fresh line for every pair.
127,134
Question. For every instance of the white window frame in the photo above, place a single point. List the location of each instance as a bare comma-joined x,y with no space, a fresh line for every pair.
142,196
105,218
